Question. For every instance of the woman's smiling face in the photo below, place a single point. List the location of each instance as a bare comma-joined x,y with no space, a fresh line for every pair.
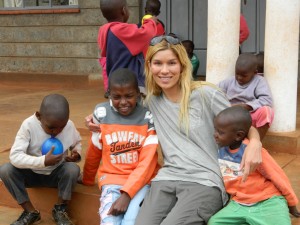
166,68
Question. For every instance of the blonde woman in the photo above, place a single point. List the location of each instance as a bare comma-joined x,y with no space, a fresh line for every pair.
188,189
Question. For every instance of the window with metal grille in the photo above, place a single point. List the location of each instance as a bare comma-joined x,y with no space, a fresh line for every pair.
36,4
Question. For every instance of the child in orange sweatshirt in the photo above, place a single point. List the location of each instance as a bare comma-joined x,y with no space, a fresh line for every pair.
267,196
127,146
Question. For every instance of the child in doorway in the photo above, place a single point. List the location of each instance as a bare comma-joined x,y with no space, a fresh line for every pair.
267,196
189,47
260,63
250,91
152,8
244,32
29,168
122,44
127,146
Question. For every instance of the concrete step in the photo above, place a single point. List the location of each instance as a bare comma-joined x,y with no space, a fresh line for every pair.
288,142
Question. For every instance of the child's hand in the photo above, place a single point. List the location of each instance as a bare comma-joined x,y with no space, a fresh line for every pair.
51,159
245,106
74,157
120,205
90,125
294,211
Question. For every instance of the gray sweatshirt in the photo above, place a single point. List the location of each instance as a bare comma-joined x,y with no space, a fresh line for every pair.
256,93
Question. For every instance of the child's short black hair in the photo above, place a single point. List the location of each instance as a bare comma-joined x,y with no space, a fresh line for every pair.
238,116
121,77
189,43
152,7
112,9
247,61
55,106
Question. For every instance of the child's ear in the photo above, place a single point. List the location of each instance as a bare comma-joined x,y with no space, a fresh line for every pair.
240,135
38,115
124,11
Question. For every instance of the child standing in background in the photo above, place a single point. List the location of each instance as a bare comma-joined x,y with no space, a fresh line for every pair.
267,196
250,91
244,30
152,8
122,44
127,144
260,63
189,47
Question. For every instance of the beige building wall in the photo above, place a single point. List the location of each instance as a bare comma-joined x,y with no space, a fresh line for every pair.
64,43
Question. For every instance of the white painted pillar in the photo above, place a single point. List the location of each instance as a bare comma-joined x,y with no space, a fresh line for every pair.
222,39
281,60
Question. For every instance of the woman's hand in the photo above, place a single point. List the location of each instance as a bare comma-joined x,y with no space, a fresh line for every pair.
252,155
91,125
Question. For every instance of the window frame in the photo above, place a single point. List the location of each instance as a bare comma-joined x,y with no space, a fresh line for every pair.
44,9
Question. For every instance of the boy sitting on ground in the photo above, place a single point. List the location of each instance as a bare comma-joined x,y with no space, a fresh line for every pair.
29,168
266,197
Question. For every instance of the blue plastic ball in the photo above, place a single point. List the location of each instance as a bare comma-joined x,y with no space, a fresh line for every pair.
47,145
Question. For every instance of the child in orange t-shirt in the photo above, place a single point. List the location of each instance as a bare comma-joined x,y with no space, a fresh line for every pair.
266,197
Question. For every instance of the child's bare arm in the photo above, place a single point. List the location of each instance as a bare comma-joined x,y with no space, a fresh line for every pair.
294,211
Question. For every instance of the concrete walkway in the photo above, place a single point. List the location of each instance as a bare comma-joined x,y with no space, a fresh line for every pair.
21,98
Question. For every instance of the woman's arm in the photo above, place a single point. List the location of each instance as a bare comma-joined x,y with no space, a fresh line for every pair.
252,156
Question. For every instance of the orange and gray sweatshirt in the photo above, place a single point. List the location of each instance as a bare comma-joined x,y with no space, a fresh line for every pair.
127,146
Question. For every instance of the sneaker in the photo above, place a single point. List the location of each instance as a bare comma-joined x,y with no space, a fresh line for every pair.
60,215
28,218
